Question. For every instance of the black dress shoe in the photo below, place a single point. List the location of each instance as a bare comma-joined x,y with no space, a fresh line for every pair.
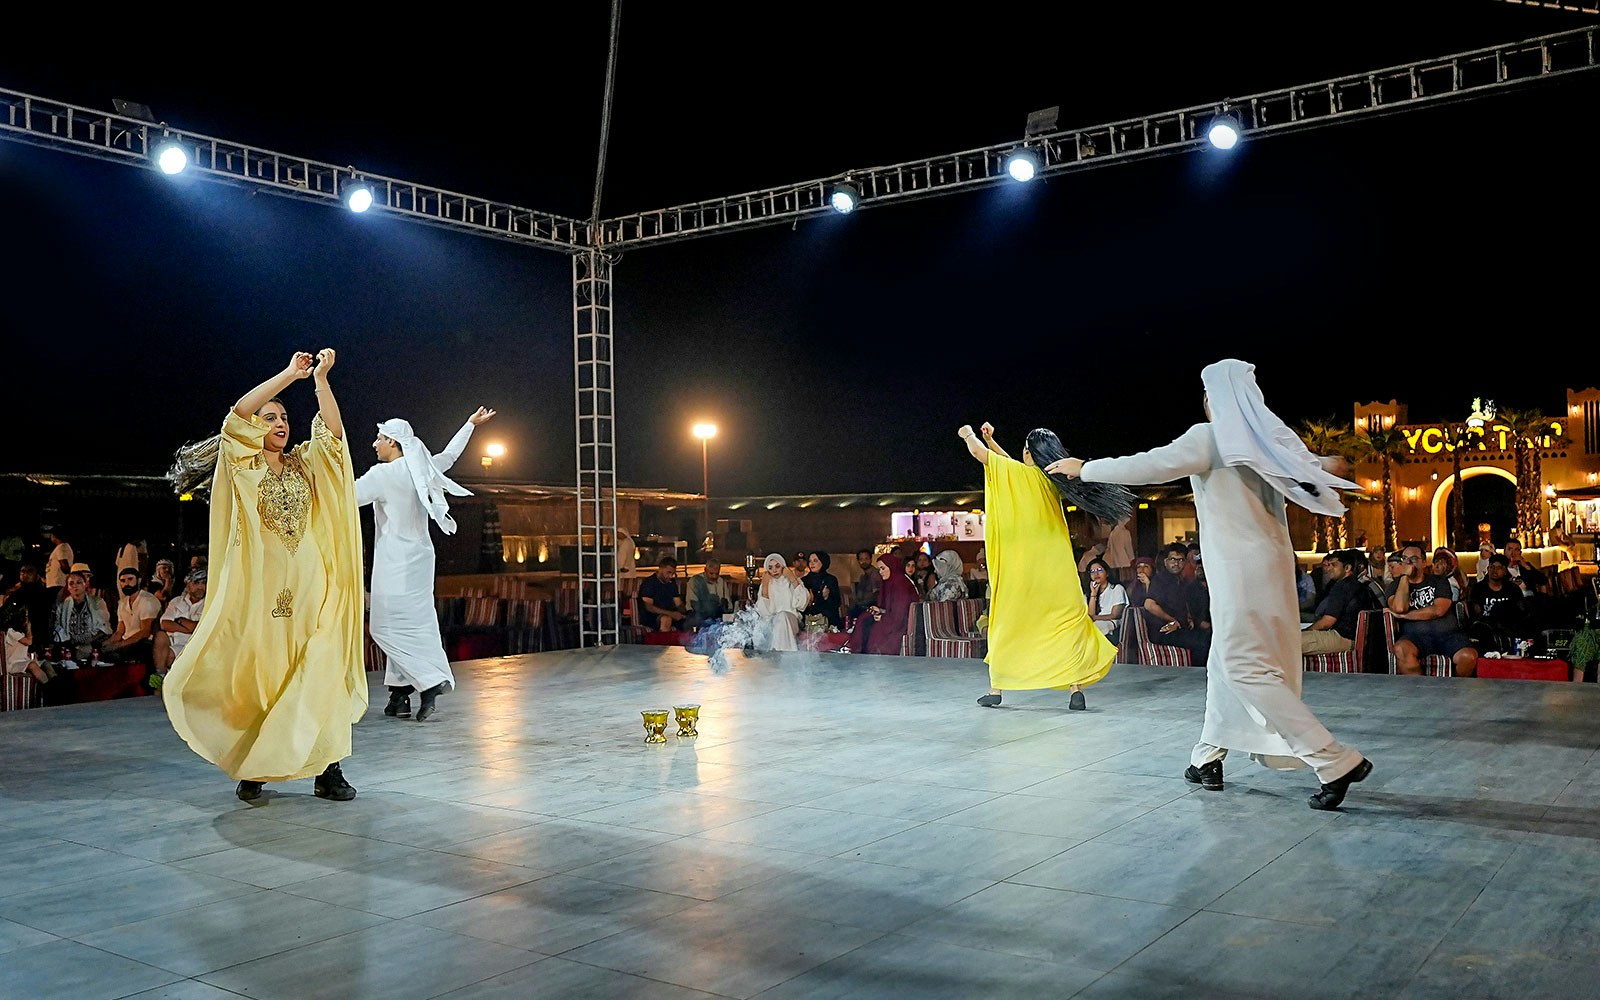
990,701
1333,792
1207,776
399,702
330,784
248,791
1076,703
428,697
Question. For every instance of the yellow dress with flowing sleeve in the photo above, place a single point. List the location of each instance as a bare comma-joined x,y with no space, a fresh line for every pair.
273,677
1040,632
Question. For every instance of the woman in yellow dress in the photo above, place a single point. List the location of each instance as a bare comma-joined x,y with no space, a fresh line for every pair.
273,677
1040,632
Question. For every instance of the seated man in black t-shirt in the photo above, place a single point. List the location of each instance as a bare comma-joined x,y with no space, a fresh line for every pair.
1334,628
660,604
1166,607
1428,623
1498,608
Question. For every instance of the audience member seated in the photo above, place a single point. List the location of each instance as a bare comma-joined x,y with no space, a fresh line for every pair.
1144,569
948,586
40,603
881,629
1428,625
179,620
978,577
1498,609
163,582
922,575
1446,565
1166,608
710,594
1333,630
1305,590
1524,573
780,601
137,614
82,620
1485,550
16,631
1107,600
822,589
660,605
1200,597
865,593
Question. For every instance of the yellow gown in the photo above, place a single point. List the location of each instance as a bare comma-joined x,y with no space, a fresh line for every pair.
1040,632
273,677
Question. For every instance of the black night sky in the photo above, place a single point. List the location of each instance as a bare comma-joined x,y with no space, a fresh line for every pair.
1431,256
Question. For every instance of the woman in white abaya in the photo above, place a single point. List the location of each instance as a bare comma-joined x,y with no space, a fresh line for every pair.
407,489
1242,465
782,600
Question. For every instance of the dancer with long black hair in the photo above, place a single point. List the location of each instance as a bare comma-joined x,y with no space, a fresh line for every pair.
1040,632
273,677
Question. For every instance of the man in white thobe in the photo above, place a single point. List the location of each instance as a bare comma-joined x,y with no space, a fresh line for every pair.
1242,465
406,490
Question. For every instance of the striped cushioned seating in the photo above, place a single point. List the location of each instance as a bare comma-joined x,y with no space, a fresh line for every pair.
524,625
483,612
19,692
915,642
1432,666
1343,663
1154,654
947,629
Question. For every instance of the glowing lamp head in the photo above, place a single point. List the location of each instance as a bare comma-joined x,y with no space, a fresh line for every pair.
844,198
171,157
496,450
1022,165
358,196
705,431
1223,132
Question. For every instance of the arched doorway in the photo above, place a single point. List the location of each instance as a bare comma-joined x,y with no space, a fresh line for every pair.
1490,495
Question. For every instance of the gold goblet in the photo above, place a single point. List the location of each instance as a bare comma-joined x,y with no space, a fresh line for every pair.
655,725
688,717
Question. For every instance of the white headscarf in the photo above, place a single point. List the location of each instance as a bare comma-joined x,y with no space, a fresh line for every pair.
430,483
1251,435
774,557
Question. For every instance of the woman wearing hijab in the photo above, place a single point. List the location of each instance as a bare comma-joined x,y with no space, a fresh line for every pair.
947,570
272,678
823,588
1243,463
920,570
882,629
1040,633
1144,570
407,489
780,601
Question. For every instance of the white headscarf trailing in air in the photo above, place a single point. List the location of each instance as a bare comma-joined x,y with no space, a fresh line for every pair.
430,483
1249,434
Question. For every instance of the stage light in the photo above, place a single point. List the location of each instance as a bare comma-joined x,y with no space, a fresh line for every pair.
1022,164
844,198
357,195
1223,131
170,156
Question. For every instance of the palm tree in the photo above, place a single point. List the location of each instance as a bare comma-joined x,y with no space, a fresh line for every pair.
1325,437
1461,437
1388,447
1530,435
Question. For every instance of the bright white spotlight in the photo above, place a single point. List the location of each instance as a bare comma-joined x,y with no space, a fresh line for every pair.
171,157
1223,132
1022,164
844,198
357,196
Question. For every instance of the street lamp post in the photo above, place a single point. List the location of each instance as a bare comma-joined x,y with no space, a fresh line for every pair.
494,451
705,432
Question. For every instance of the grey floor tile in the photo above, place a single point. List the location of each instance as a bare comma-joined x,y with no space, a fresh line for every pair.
878,897
229,932
678,812
703,869
1068,819
902,968
67,970
810,831
81,907
1377,902
554,979
1388,851
963,850
306,854
188,989
395,960
413,884
57,862
560,845
554,914
754,951
14,935
1155,875
902,800
1090,932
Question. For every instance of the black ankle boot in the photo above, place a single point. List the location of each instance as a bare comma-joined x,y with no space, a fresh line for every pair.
1333,792
330,784
1207,776
399,702
428,698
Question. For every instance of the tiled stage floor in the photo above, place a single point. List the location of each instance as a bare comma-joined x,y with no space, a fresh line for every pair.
846,826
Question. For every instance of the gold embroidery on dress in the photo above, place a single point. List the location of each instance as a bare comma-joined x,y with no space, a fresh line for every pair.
284,502
320,432
285,606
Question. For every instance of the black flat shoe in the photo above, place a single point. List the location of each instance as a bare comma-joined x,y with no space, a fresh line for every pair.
249,791
1207,776
399,702
330,784
1333,792
990,701
428,698
1076,703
